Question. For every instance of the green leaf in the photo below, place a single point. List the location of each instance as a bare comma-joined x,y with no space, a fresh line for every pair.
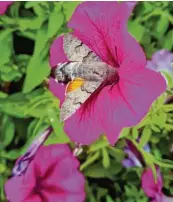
159,119
105,158
18,103
31,4
10,73
146,135
7,131
69,8
167,42
148,6
3,95
99,144
131,190
135,133
5,46
41,41
125,132
11,155
37,71
38,67
98,171
154,171
30,23
52,26
162,25
91,159
54,139
14,9
2,168
118,154
40,8
59,133
109,199
136,29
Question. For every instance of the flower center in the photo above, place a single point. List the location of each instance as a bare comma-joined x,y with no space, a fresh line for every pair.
112,78
38,187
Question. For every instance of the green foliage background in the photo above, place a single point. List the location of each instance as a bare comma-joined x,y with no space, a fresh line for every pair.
27,107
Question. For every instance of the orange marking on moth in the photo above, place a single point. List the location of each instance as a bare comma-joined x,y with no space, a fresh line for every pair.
73,85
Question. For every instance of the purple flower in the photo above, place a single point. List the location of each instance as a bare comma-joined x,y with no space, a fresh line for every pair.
134,156
161,60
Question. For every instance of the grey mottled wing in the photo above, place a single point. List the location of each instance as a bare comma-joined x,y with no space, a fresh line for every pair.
77,51
76,98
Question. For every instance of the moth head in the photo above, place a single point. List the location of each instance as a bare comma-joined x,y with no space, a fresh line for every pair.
59,74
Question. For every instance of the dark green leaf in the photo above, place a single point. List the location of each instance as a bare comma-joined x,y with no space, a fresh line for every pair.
5,46
162,25
7,131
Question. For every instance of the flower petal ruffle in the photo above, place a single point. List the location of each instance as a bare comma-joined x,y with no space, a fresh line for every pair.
105,31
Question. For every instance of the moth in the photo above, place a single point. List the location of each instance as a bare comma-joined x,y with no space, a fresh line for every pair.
84,74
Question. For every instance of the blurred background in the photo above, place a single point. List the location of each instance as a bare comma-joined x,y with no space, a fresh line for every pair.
27,30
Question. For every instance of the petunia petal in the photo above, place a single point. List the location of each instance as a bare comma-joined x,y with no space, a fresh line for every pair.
24,183
149,186
75,198
49,154
74,183
85,130
62,171
57,54
65,197
4,5
33,197
57,89
105,31
122,106
131,99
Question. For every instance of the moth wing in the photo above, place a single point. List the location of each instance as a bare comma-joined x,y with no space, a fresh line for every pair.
75,98
77,51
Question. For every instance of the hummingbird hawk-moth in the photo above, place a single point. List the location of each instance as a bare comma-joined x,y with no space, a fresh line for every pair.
84,74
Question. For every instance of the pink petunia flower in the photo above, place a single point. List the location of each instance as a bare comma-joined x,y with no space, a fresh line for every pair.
154,189
102,26
51,176
4,5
